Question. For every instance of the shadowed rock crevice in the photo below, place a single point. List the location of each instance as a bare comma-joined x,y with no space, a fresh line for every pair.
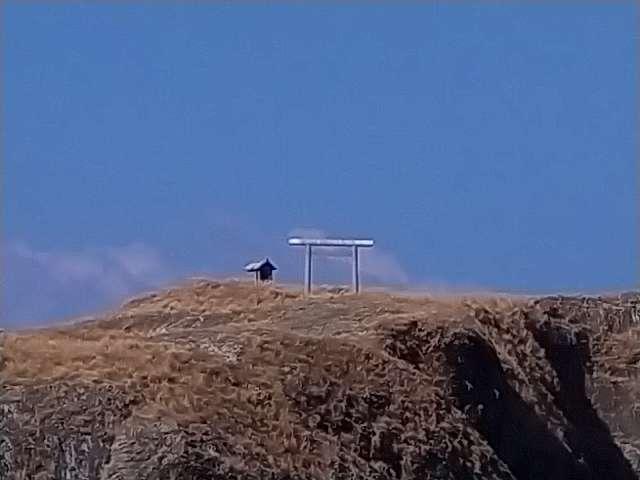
518,436
568,351
575,444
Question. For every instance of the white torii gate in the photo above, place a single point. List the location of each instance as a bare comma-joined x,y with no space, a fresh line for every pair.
308,243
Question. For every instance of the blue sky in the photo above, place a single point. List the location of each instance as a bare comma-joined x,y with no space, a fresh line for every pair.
483,145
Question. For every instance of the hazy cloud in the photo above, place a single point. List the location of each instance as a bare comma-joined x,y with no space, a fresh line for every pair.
383,267
39,286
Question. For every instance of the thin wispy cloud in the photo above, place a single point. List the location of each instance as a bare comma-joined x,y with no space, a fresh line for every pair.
40,285
383,267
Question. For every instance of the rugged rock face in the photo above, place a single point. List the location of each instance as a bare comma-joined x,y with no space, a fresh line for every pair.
216,380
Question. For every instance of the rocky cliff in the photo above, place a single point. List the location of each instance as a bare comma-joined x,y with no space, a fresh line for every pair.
216,380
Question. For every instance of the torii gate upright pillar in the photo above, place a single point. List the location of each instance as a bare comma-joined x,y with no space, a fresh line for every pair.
307,270
355,273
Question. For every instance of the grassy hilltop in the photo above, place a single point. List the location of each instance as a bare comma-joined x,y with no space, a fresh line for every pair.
212,381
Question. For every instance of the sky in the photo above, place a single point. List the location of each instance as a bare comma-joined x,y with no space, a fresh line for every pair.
483,145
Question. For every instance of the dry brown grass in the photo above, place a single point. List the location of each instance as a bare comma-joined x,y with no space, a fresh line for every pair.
53,356
287,383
